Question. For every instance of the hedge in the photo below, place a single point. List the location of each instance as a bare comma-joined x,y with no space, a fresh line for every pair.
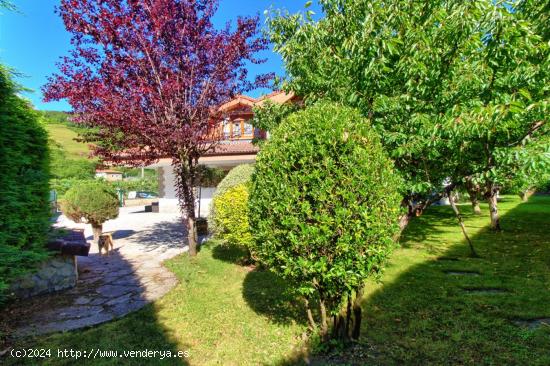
24,189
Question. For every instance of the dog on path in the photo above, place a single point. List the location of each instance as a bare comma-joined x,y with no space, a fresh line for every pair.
105,242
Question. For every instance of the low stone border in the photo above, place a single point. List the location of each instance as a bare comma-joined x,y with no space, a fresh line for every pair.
108,288
55,274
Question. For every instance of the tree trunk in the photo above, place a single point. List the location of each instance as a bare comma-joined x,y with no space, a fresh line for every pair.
491,196
310,319
474,193
403,222
475,206
97,229
413,210
493,208
525,195
192,234
324,320
348,316
185,170
461,223
357,314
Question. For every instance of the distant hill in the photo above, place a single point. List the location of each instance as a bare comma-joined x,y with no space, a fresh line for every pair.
64,133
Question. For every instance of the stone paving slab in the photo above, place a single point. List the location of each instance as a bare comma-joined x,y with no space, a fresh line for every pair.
110,287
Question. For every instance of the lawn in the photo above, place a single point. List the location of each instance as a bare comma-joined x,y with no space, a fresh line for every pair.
435,305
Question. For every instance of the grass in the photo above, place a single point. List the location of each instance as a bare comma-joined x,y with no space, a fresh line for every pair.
65,137
223,313
422,315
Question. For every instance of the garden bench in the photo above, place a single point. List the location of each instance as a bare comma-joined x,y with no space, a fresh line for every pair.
72,243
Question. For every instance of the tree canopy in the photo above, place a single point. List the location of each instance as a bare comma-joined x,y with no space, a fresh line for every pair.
451,87
147,76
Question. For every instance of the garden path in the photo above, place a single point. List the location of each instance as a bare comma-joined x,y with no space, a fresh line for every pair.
111,286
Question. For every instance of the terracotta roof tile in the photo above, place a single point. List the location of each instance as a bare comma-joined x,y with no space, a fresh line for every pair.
233,148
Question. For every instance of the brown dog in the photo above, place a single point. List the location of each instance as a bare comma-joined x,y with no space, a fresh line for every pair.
105,241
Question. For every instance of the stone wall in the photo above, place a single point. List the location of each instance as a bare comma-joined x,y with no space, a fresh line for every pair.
54,274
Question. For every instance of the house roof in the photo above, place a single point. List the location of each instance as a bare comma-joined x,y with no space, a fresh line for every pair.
279,97
238,100
108,171
233,148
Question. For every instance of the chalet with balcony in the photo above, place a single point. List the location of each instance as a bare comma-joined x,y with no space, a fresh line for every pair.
235,147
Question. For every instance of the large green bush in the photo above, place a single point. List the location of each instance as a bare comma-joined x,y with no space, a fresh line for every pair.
323,209
93,202
231,219
24,190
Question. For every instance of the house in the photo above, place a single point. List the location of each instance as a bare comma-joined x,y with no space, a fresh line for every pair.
235,147
109,175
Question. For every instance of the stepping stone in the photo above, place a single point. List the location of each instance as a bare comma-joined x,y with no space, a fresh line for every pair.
119,300
82,300
122,309
76,312
99,300
485,290
64,325
533,324
127,282
462,273
121,273
112,291
452,259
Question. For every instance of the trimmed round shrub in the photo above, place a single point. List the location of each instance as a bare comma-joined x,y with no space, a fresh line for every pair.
92,202
241,174
231,217
323,209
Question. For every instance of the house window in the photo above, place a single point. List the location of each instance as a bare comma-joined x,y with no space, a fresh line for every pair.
237,129
226,129
248,130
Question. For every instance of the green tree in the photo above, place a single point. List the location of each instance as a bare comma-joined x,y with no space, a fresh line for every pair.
450,86
269,115
323,209
92,202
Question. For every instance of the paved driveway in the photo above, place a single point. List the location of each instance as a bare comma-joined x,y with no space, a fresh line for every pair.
111,286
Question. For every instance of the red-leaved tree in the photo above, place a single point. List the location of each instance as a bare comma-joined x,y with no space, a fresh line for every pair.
146,76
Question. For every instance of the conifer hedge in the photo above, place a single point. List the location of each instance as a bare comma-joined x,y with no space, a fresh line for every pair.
24,190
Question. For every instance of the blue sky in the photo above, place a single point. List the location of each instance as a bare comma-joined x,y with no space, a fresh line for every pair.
33,40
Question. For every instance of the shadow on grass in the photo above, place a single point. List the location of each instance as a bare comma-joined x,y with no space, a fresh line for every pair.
268,294
423,314
230,253
264,291
139,331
